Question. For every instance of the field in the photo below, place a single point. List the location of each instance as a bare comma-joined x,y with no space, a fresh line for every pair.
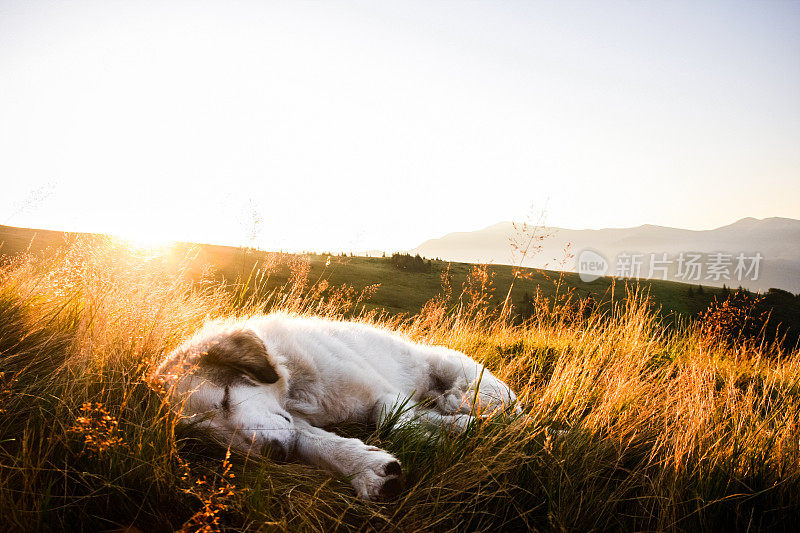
399,291
633,419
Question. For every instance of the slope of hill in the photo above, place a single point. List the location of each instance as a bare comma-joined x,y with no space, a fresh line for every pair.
626,424
399,291
777,240
406,292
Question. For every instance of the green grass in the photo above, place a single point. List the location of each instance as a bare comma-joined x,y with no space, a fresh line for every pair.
659,428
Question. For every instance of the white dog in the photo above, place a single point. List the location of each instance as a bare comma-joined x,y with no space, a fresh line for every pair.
275,380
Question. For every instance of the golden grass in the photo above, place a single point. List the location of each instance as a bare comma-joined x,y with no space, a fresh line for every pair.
629,424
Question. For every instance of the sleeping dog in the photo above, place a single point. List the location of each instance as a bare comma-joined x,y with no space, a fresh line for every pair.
272,382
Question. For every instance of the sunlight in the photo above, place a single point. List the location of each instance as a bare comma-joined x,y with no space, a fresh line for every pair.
143,241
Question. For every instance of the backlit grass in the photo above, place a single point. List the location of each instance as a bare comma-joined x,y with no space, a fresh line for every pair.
628,424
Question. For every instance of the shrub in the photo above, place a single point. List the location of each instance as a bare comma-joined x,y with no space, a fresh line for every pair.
410,263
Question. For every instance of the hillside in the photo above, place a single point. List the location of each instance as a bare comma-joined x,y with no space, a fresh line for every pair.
399,292
404,292
776,239
627,423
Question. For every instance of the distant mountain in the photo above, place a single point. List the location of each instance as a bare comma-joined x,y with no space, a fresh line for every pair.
777,240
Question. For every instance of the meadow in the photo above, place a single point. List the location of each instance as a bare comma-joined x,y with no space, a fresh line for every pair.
401,292
632,420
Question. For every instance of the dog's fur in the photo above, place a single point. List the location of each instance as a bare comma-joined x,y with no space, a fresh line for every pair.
271,382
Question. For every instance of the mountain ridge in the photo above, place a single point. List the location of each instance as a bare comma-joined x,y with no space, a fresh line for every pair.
776,239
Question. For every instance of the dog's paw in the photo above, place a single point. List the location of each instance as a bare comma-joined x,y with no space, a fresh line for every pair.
382,477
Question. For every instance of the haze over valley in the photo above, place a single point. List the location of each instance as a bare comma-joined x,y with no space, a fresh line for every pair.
776,239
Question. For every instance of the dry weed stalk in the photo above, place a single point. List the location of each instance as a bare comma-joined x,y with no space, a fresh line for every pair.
100,430
216,498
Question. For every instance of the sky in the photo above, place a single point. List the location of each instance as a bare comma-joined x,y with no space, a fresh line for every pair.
378,125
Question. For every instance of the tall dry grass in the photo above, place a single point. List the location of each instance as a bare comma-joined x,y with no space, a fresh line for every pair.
628,424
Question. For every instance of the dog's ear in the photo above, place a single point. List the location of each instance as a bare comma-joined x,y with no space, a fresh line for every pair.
236,353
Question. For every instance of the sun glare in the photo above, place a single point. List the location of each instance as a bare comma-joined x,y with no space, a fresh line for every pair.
143,241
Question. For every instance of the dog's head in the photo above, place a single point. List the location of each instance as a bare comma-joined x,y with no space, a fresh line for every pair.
223,379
